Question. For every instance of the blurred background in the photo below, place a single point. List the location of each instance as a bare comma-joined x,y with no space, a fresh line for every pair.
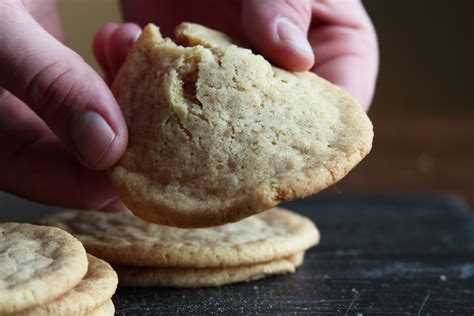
423,111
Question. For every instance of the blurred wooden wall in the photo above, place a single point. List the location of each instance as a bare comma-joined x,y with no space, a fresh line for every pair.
423,111
82,18
427,55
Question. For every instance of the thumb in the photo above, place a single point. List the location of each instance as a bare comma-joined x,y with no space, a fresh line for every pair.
279,28
60,88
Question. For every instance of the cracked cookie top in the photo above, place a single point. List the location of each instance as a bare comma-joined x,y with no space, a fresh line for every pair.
216,133
37,264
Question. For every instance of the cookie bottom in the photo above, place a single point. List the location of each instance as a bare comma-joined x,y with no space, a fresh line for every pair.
205,277
107,309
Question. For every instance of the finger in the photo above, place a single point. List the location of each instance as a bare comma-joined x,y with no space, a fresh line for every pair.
35,164
345,46
62,89
278,28
119,44
19,125
45,171
98,48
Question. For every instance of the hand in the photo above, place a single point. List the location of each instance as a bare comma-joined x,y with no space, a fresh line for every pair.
56,114
334,38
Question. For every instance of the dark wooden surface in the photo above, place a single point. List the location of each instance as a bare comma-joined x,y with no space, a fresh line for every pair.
407,255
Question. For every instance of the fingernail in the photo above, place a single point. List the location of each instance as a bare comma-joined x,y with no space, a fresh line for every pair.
92,136
137,36
290,34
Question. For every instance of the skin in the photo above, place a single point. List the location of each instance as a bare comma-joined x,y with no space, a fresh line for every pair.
60,126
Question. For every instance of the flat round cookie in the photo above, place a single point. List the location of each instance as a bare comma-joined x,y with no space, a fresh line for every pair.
216,133
124,239
37,265
206,277
94,290
107,309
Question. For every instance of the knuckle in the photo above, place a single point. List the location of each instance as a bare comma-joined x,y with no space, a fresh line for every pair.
54,91
301,8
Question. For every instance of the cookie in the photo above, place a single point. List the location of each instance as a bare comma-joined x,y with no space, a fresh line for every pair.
94,290
37,265
107,309
124,239
205,277
216,133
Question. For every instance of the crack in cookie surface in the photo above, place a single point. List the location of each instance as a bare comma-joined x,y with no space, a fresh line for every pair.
217,134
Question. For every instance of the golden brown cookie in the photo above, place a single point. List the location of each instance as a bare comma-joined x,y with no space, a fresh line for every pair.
107,309
37,265
124,239
94,290
205,277
216,133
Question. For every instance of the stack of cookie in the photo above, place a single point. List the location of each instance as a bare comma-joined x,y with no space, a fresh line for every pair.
146,254
46,271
